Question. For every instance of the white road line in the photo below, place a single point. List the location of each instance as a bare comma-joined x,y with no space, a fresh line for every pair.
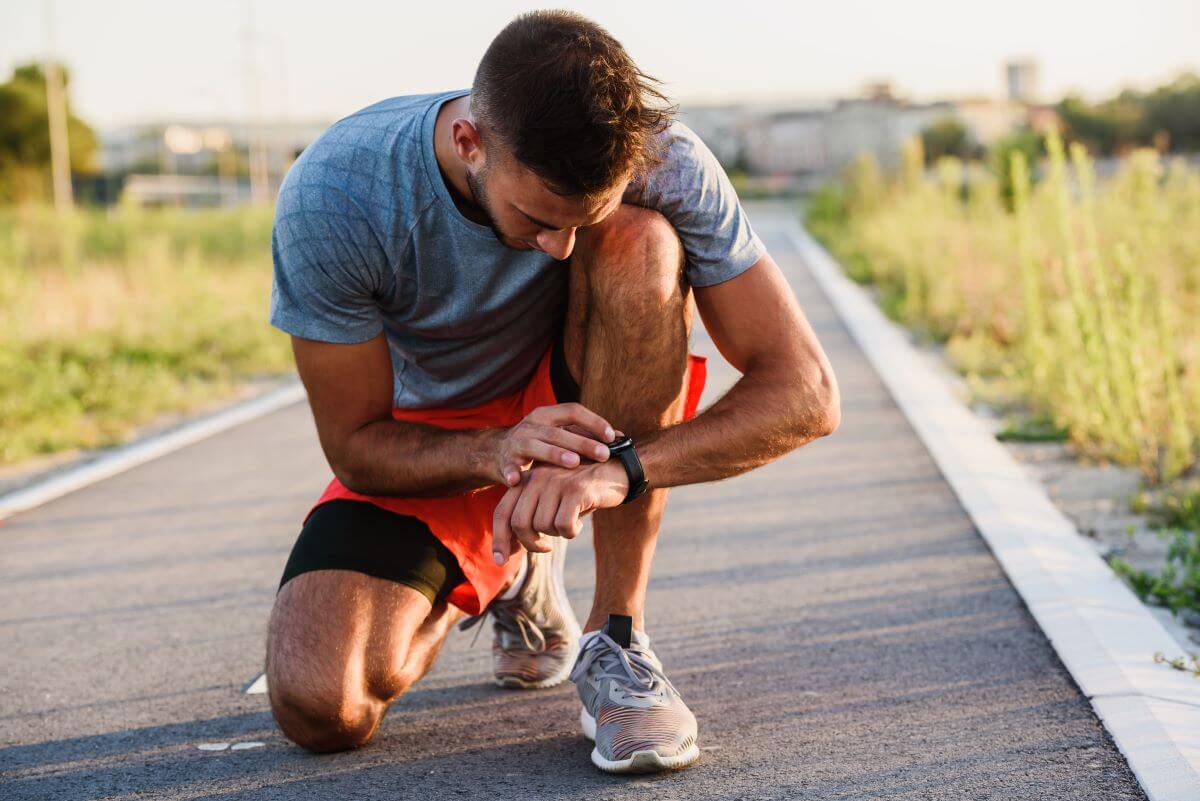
1101,631
257,686
128,456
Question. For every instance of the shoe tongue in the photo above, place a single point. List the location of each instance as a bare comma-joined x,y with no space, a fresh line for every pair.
620,629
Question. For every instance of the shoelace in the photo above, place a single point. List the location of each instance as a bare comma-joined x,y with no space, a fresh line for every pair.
509,616
636,670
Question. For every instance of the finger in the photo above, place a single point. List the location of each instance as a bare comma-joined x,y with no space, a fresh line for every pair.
543,518
522,519
503,541
580,430
566,521
563,414
583,445
535,543
535,448
559,446
583,432
512,474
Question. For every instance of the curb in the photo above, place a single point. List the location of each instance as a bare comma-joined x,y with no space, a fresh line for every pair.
128,456
1102,633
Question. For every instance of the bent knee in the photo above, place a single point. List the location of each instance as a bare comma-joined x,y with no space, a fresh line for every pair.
635,253
325,722
631,230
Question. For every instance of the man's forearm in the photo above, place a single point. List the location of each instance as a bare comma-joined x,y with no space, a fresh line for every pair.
766,414
402,458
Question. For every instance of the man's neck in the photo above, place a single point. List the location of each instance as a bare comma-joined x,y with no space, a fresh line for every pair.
453,171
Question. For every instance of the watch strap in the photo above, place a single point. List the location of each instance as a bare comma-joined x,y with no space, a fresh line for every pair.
623,449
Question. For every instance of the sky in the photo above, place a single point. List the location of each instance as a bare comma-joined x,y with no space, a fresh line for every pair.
158,60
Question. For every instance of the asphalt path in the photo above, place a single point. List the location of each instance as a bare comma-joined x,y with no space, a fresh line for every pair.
833,619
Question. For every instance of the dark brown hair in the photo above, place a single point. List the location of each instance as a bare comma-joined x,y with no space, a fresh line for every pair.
564,98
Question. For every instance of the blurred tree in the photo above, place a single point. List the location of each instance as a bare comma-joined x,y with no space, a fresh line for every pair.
1024,139
1169,115
1174,109
946,137
1107,128
25,137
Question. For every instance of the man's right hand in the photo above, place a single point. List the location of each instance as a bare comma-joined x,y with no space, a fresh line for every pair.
559,435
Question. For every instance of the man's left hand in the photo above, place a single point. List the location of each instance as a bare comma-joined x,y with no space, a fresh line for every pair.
552,500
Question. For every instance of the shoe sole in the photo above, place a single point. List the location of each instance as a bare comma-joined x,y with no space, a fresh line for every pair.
639,761
574,631
516,683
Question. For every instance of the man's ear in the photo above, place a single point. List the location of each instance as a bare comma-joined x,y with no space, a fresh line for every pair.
468,143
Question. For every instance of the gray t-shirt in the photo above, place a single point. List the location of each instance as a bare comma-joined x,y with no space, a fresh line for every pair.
367,239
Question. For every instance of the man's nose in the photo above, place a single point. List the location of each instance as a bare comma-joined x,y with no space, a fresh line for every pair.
558,244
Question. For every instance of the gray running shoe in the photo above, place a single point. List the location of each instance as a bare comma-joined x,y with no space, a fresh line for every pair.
630,709
535,634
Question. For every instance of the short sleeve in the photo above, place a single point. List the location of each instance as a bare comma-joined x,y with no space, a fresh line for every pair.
691,189
328,262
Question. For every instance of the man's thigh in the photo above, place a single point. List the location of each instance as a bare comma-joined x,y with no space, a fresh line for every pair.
634,253
358,586
341,633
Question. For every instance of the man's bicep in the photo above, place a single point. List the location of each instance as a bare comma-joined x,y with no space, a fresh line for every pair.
348,387
754,317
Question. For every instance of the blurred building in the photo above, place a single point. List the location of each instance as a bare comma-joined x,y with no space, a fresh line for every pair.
1021,77
988,119
198,164
877,125
816,141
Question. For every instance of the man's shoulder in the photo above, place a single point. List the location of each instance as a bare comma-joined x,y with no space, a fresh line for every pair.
370,134
369,162
684,150
686,163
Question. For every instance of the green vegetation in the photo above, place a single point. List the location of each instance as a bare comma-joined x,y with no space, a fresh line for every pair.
1166,118
1073,305
25,137
1177,585
1176,513
947,137
1084,300
108,319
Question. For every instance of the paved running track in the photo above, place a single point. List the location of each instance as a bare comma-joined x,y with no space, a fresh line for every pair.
833,619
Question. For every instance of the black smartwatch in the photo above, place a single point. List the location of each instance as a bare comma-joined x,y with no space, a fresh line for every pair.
622,448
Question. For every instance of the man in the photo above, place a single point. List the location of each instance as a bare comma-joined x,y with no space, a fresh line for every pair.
486,290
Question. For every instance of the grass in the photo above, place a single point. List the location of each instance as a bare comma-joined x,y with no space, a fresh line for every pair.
1075,300
1175,512
1085,299
108,320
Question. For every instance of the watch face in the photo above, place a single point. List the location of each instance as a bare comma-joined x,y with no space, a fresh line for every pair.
619,443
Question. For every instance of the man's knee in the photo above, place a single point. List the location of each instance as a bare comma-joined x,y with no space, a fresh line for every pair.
331,716
634,255
324,721
328,688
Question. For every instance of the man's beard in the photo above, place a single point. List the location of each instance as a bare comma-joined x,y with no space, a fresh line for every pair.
479,195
